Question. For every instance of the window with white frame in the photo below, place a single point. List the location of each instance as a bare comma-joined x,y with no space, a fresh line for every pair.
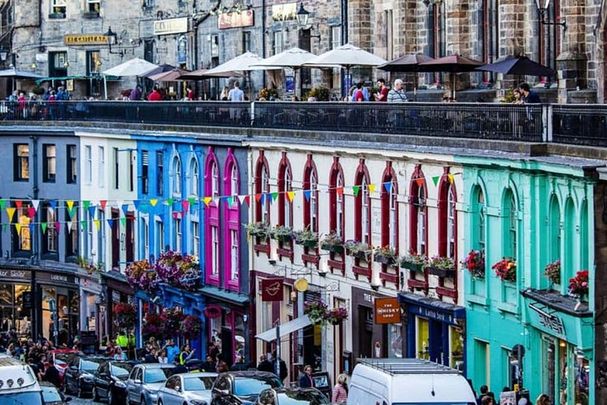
146,238
51,232
234,180
159,236
178,235
101,235
101,174
234,254
421,221
481,220
313,202
58,8
265,188
195,238
335,36
451,224
339,205
512,227
93,6
288,186
214,180
176,175
89,236
393,213
194,178
214,250
366,211
88,155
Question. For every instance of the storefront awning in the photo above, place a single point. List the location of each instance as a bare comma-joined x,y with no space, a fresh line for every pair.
224,295
432,307
285,329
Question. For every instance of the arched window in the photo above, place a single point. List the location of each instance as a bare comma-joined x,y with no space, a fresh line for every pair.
555,229
310,186
447,217
231,184
584,253
362,205
510,225
212,242
214,180
568,262
262,189
194,178
285,185
176,168
389,208
478,219
418,232
336,199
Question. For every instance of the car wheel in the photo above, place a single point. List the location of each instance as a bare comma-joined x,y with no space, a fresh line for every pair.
143,401
110,399
95,394
79,391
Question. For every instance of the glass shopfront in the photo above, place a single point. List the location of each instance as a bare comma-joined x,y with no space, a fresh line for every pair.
60,314
15,308
565,371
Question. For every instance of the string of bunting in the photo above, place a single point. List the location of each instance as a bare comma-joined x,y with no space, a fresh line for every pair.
145,206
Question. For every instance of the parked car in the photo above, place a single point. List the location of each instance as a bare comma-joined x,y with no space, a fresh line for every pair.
52,396
110,381
242,386
79,375
61,358
144,382
294,396
187,389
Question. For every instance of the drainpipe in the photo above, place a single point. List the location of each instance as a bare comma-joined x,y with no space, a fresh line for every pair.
263,35
34,239
344,22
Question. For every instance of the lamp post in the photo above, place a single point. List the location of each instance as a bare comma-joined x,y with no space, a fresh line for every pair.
542,7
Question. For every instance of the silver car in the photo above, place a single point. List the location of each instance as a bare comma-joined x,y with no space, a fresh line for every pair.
187,389
144,382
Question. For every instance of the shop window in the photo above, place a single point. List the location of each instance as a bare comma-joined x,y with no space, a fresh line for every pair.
145,171
285,185
231,185
418,232
159,172
21,163
49,164
482,363
58,64
456,347
58,9
72,164
396,340
423,339
336,198
310,201
101,168
194,178
362,205
22,233
176,180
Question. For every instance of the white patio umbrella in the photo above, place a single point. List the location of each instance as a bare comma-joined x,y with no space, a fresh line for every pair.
133,67
240,63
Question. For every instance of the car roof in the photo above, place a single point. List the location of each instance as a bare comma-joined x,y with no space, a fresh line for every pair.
250,373
194,375
156,365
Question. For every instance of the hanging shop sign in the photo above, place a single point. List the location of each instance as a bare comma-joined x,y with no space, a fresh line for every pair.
284,12
85,39
16,275
246,18
212,312
271,289
387,311
171,26
549,321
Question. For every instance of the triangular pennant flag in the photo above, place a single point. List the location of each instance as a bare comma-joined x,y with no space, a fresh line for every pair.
371,188
69,226
435,180
110,222
43,226
169,201
268,197
97,223
137,204
70,204
86,204
153,202
339,190
53,204
307,194
18,228
18,204
388,186
290,195
420,181
258,197
123,221
83,225
31,226
355,190
144,207
247,199
31,212
103,203
192,201
92,211
2,204
125,209
230,201
57,226
262,199
185,205
36,204
451,178
10,211
207,200
274,196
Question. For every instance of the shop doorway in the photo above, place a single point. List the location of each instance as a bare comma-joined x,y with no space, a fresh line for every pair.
365,332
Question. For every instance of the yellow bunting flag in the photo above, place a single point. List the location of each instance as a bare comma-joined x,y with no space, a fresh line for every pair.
290,195
97,223
153,201
70,204
18,228
450,177
207,200
371,188
11,213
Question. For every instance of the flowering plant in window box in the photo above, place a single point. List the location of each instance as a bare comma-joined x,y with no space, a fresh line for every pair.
307,238
332,242
124,315
316,311
282,233
174,318
441,266
259,230
385,255
474,262
578,285
358,250
414,261
190,327
336,316
553,271
178,270
154,325
141,275
505,269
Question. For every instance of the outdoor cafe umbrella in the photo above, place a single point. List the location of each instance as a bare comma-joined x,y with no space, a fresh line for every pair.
201,74
240,63
169,76
517,65
133,67
165,67
407,64
451,64
293,58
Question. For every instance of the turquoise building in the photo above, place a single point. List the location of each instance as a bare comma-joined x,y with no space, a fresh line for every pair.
524,329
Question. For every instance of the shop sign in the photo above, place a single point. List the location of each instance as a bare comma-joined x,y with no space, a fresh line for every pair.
56,278
212,312
284,12
85,39
387,311
549,321
271,289
171,26
236,20
432,314
21,275
508,398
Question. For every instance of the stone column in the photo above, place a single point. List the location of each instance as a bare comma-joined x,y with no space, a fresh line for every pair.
571,62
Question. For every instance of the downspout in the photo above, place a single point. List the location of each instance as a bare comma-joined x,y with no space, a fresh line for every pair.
34,287
263,35
344,22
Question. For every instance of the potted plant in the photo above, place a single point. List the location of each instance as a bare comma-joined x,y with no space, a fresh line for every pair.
505,269
578,285
414,261
332,242
124,315
336,316
441,266
259,230
553,272
154,325
316,311
474,262
142,275
358,250
190,327
282,233
385,255
307,238
178,270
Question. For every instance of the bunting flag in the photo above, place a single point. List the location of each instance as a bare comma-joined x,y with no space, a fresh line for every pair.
18,228
36,204
137,204
70,204
274,196
57,227
420,181
53,204
92,211
86,204
192,201
43,226
207,200
339,190
169,201
185,205
388,186
355,190
103,203
69,227
84,225
371,188
258,197
125,209
240,198
290,195
451,178
10,211
123,221
247,199
18,204
31,212
2,204
307,195
262,199
110,222
153,202
435,180
230,201
97,223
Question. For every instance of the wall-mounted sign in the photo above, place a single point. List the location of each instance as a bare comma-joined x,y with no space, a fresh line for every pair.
212,311
85,39
549,321
387,310
271,289
20,275
171,26
235,20
284,12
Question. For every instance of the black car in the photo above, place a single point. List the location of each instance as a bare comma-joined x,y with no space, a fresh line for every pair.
109,381
242,387
296,396
52,396
79,375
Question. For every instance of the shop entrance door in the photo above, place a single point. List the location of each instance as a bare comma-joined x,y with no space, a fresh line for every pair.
365,332
436,342
548,366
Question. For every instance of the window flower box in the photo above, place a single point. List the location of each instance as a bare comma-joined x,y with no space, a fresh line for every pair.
441,266
578,285
56,16
505,269
385,255
259,230
332,243
307,238
358,250
282,234
553,272
474,262
414,262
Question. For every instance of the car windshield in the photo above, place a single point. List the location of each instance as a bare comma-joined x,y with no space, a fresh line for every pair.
90,365
198,383
157,375
244,386
121,369
50,394
302,398
21,398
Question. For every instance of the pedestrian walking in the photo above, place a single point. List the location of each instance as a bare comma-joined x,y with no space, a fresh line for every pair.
397,94
265,364
172,351
340,390
306,380
236,94
382,93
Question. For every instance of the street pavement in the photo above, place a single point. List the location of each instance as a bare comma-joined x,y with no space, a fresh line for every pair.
83,401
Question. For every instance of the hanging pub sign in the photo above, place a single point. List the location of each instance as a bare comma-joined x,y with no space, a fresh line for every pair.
271,289
212,311
245,18
387,311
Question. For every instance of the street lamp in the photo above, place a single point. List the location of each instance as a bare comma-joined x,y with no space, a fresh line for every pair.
302,16
3,54
542,7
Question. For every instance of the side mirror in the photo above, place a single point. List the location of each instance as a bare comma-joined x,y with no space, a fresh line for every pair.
136,381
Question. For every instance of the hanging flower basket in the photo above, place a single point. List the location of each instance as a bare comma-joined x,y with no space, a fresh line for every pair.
282,234
154,325
178,270
414,262
474,262
332,242
124,315
141,275
441,266
553,272
190,327
578,285
358,250
385,255
316,311
505,269
174,318
336,316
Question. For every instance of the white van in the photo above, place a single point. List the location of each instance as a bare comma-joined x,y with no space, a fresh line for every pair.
18,383
407,381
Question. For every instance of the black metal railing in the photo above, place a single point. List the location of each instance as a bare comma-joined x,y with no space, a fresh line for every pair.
569,124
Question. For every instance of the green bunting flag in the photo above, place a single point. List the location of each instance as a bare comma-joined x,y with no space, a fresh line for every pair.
435,180
43,226
356,190
2,204
123,221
